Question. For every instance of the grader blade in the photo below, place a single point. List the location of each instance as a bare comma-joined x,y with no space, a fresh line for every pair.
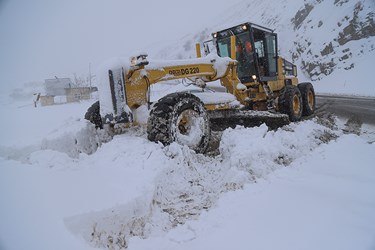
119,112
222,119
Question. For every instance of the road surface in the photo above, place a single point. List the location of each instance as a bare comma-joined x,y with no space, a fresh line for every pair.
360,108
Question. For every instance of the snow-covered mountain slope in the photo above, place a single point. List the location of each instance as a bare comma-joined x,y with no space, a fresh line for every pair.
332,42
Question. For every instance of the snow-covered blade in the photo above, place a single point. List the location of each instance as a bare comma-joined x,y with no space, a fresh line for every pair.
221,120
112,95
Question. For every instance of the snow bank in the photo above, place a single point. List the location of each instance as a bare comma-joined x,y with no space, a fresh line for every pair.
136,193
62,130
259,151
189,184
323,200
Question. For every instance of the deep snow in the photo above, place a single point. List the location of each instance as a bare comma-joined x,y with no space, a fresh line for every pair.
68,186
321,201
310,185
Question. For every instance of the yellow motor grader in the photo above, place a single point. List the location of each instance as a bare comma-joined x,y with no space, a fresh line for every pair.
261,87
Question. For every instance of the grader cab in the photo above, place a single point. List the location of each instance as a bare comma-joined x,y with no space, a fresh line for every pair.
261,87
266,75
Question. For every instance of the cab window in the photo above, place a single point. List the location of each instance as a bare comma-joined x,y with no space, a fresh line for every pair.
266,53
245,57
224,47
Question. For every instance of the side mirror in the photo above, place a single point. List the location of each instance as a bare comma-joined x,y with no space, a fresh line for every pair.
294,70
206,49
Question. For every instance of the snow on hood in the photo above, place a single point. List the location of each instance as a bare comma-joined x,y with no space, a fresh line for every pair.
219,64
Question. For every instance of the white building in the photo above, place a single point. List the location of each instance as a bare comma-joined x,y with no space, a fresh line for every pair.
57,86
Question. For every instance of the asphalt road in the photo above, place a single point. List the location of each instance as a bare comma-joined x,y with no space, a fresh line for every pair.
360,108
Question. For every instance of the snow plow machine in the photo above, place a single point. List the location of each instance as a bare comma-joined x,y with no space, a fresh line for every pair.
261,87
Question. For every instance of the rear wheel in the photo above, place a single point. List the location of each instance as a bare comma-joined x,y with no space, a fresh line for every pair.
180,117
290,102
308,98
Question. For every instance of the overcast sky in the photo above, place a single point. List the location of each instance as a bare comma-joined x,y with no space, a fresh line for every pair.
45,38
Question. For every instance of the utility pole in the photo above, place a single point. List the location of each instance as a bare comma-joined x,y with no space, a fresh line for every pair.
90,74
90,79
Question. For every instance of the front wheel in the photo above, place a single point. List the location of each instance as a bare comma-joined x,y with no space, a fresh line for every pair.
290,102
181,118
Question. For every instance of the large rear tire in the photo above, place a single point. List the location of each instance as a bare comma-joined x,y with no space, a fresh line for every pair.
290,102
308,98
181,118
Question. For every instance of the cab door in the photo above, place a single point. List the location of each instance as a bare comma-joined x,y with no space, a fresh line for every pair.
271,54
265,44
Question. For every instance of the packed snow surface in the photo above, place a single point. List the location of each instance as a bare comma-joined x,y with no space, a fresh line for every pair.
65,185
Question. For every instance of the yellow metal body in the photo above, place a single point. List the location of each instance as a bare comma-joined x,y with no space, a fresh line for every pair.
139,78
198,50
257,92
232,47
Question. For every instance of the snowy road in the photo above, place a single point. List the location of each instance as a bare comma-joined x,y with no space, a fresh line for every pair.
350,107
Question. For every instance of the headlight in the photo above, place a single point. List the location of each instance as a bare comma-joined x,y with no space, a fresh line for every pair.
254,77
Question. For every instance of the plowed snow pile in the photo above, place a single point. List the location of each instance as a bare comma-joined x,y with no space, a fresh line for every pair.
64,185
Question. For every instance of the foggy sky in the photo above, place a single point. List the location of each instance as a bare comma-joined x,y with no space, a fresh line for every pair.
45,38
